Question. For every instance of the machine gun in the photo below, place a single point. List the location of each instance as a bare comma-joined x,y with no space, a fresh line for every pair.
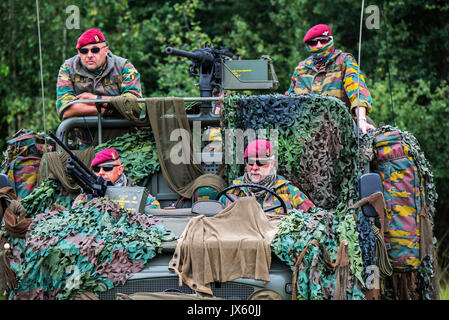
91,184
207,64
217,70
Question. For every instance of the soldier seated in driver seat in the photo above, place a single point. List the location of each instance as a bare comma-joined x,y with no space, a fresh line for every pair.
260,169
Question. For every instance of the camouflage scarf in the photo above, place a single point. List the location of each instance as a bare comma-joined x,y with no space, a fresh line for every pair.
121,181
322,55
268,182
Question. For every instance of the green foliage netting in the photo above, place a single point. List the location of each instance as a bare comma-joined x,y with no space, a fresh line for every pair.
317,146
87,248
315,280
48,193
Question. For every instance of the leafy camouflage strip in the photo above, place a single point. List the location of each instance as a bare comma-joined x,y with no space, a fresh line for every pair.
317,144
90,248
315,279
138,153
48,193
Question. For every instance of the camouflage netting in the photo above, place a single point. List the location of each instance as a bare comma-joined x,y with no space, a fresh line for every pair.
84,249
317,144
318,234
48,193
138,153
318,153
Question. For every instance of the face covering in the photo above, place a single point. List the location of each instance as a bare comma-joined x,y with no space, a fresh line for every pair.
322,55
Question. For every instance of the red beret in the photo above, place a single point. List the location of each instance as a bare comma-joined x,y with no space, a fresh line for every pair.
259,148
90,36
105,155
319,30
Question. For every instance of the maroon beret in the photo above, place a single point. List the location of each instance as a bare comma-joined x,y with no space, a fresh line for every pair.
90,36
105,155
319,30
259,148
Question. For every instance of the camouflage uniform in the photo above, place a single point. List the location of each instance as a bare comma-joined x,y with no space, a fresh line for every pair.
117,77
151,202
337,77
292,196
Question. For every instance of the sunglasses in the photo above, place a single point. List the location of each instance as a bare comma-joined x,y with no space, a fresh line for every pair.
314,42
94,50
259,162
106,167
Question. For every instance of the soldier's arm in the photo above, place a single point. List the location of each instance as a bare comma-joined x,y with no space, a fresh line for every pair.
65,94
152,203
351,85
64,90
294,78
299,199
131,81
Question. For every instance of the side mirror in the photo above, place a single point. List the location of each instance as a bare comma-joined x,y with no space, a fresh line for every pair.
369,183
207,208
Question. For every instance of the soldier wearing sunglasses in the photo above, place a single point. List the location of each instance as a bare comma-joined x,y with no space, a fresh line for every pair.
260,168
107,164
94,73
332,72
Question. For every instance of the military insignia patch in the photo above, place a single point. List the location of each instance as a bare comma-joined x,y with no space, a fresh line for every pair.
96,38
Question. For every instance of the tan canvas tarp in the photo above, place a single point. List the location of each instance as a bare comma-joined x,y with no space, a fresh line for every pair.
233,244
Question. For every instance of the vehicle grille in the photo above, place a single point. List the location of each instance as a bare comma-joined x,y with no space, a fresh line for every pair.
228,290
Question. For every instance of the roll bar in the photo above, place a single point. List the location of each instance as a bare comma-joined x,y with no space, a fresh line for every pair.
205,116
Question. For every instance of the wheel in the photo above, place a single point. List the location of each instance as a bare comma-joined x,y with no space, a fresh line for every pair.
251,185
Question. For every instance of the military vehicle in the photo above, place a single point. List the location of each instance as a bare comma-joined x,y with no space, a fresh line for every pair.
325,160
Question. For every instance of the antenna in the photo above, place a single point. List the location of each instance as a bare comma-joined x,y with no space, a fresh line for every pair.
42,78
358,73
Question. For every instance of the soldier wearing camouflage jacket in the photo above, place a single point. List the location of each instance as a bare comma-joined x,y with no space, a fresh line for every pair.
260,169
332,72
107,165
292,196
94,73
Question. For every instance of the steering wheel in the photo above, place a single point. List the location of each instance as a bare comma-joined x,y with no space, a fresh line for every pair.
251,185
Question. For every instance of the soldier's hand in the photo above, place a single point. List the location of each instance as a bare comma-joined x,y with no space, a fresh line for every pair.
365,126
86,96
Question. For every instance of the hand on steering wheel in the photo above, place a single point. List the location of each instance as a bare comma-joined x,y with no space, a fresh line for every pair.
251,185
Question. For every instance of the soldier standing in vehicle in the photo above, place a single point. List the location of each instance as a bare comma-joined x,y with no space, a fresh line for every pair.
260,168
94,73
107,164
332,72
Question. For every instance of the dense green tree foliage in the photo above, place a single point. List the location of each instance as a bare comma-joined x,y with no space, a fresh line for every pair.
404,57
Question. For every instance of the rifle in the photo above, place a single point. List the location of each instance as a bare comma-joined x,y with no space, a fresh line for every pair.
89,182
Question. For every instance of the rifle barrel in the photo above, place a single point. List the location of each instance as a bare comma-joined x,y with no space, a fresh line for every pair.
183,53
200,55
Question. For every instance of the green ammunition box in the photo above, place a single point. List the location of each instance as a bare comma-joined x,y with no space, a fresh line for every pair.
248,75
130,198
